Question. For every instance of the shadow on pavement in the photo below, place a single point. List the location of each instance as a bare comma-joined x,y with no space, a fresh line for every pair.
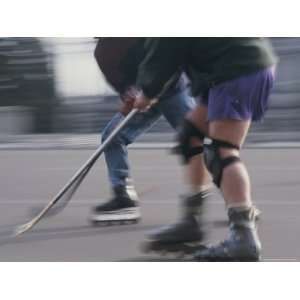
67,233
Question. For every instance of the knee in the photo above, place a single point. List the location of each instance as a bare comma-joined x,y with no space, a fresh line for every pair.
105,133
217,156
119,139
189,141
227,152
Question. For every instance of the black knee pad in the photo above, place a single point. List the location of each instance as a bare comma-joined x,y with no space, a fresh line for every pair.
184,147
214,162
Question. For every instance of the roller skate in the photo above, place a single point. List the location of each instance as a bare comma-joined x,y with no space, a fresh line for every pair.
122,209
184,237
243,243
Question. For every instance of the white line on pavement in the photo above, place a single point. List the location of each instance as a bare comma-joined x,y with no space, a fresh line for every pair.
148,202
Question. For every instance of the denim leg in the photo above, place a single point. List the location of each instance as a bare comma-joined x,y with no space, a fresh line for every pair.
175,108
116,154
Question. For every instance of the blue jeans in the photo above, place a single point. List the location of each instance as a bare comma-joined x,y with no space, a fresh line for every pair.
173,108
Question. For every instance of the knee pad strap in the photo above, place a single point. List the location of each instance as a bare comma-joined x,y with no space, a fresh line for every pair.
184,147
214,162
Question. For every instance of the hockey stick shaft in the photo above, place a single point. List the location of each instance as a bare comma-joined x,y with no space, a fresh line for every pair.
87,165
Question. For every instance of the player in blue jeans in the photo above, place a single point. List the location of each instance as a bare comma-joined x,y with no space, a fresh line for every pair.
118,59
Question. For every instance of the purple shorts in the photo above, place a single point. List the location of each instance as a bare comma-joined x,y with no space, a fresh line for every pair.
243,98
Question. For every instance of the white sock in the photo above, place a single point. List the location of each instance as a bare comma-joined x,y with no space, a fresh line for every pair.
241,205
199,188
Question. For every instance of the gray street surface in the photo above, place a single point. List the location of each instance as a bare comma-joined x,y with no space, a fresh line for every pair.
31,177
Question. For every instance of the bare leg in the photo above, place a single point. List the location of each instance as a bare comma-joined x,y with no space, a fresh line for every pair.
188,230
197,176
235,184
243,242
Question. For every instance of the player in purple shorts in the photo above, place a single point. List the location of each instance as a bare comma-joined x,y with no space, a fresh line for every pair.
233,78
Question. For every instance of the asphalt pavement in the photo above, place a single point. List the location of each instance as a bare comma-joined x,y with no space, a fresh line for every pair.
30,178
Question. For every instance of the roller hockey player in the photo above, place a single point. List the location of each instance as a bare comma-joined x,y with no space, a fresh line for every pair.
233,78
118,59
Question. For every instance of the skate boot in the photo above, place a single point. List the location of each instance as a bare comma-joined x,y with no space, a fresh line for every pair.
243,243
257,216
257,213
121,209
183,237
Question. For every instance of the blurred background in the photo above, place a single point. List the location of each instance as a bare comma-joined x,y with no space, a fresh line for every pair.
51,91
54,102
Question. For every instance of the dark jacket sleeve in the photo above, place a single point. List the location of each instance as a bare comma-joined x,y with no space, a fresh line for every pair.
164,60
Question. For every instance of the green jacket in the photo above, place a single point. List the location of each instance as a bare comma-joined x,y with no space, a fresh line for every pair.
207,61
119,57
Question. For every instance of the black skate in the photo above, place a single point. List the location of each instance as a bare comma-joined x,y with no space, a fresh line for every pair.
225,223
120,210
184,237
243,243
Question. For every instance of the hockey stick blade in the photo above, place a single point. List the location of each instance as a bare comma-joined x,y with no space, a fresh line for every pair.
59,206
83,170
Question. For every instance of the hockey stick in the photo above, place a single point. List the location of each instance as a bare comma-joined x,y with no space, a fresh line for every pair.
77,177
64,200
